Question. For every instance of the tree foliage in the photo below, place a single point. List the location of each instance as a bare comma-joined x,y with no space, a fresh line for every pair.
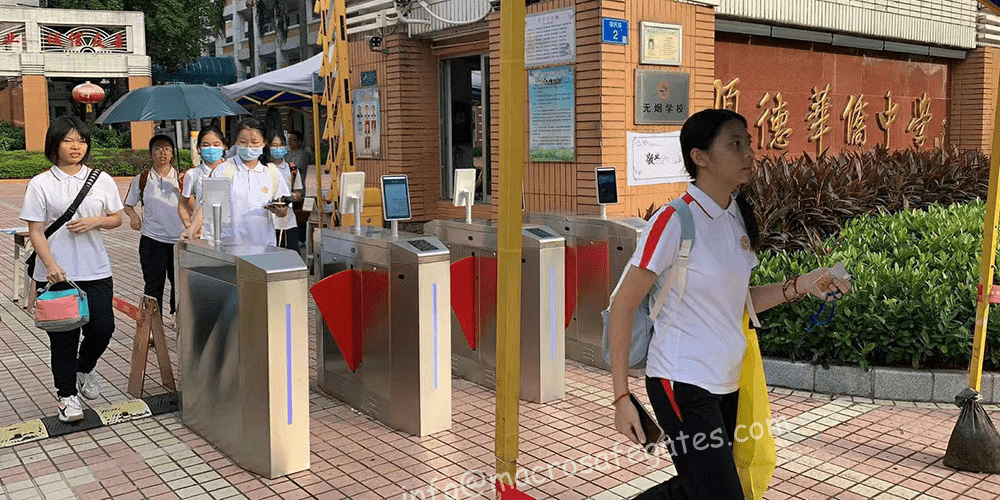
176,30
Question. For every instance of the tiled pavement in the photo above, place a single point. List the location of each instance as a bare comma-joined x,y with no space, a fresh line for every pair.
828,447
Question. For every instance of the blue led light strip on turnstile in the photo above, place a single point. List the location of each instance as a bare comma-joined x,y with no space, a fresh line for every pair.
434,306
288,358
552,321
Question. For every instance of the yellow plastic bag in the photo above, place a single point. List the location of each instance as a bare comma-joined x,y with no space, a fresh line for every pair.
753,448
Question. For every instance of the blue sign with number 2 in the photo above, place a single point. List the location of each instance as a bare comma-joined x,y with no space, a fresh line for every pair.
614,30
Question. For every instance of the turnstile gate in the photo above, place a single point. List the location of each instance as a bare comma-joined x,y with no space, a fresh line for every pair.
244,353
474,305
387,352
597,252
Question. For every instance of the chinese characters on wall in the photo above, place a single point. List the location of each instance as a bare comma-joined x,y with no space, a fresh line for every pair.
774,118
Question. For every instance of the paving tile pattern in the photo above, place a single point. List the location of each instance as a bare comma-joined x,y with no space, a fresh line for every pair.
828,447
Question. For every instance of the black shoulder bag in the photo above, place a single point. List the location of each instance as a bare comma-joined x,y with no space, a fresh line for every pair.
65,217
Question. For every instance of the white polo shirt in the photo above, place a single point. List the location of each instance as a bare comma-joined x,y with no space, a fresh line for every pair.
83,256
288,221
160,220
251,189
699,340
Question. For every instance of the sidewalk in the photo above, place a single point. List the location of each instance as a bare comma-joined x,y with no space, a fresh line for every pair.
840,447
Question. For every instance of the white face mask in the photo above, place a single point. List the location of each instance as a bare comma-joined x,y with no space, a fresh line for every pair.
248,153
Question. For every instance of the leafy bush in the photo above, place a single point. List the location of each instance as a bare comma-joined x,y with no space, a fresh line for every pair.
117,162
915,275
803,200
108,137
11,137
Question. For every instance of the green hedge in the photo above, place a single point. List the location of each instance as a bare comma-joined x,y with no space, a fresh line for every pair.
117,162
915,275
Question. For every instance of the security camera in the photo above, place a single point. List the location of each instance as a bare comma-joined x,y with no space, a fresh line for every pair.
374,42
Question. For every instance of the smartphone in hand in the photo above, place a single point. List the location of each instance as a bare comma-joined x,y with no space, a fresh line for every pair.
652,430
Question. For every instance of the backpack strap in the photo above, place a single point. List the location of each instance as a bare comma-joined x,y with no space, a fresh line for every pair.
677,277
143,180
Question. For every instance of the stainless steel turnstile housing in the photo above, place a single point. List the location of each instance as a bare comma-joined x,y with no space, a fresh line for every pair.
404,378
244,353
543,354
597,251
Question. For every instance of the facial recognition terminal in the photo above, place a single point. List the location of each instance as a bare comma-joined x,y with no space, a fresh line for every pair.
465,185
607,186
217,193
395,198
352,195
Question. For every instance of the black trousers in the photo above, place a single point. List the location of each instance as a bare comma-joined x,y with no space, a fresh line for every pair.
701,428
290,238
68,354
157,261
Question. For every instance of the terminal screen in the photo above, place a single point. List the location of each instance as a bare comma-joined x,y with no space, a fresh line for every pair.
607,186
395,197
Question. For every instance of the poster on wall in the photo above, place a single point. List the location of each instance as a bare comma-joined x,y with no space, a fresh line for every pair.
661,44
550,38
552,120
367,126
655,159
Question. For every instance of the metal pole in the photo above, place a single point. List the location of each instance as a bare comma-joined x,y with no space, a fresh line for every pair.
512,98
986,267
318,167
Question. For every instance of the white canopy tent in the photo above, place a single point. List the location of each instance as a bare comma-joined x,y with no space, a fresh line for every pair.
289,86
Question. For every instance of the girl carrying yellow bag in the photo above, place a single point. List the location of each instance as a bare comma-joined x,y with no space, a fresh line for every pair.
704,374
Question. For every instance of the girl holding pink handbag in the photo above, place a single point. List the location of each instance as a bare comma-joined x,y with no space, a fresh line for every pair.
66,207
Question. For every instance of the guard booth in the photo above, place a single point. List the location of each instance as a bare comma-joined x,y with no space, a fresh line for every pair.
383,337
598,250
473,246
244,352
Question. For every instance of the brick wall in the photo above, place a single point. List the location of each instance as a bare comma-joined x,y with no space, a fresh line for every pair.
973,88
605,80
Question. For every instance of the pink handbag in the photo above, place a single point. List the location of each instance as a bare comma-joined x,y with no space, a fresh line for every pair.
62,310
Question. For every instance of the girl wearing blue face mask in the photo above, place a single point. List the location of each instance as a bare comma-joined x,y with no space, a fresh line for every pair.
211,147
285,227
253,185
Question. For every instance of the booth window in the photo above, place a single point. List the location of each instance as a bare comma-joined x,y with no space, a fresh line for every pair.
465,122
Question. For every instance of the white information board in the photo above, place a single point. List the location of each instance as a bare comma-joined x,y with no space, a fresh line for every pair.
655,159
550,38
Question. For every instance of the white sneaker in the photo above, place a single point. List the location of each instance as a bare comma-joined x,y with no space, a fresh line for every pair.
89,384
70,409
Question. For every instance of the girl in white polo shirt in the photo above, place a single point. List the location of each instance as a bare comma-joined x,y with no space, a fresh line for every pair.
696,353
75,252
157,190
254,185
286,228
211,147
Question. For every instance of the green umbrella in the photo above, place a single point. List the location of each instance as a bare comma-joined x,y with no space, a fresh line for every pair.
171,102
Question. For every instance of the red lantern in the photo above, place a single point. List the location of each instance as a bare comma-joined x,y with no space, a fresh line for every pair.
89,94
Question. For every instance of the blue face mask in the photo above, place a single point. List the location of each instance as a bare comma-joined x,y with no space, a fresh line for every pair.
279,153
249,154
211,154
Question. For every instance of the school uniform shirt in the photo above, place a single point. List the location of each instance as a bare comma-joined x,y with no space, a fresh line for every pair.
160,220
251,189
288,221
699,339
83,256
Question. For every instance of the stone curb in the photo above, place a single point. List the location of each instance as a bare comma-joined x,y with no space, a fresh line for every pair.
884,383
